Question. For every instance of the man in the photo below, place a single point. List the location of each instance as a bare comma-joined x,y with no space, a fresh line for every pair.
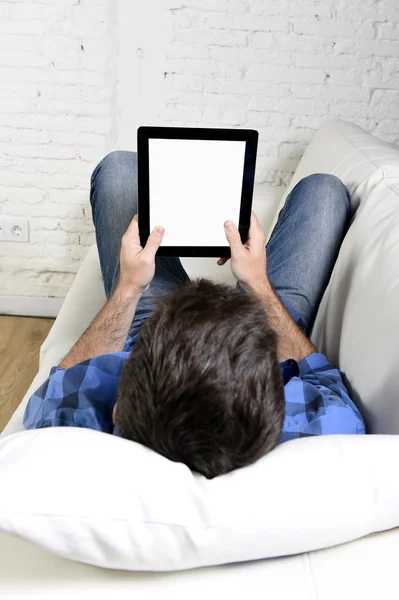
210,376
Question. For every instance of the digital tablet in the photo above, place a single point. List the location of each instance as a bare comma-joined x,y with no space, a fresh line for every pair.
191,180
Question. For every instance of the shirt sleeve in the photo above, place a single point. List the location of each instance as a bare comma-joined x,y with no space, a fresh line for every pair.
318,403
82,396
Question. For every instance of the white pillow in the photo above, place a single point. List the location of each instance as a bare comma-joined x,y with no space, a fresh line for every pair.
102,500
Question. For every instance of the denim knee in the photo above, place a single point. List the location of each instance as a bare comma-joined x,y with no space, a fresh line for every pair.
322,187
118,160
116,172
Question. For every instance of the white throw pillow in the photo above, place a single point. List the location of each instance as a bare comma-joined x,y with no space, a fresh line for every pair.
102,500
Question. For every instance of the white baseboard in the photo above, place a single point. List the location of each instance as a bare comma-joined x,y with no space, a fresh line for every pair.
30,306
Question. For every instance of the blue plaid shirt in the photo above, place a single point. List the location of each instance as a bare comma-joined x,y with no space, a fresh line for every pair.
316,399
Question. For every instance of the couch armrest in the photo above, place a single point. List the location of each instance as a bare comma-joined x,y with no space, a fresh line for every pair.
83,302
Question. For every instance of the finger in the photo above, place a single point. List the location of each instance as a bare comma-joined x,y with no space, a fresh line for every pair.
254,224
255,230
254,220
132,232
153,242
222,261
233,237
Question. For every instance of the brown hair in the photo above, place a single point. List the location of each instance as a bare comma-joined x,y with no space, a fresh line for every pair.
203,384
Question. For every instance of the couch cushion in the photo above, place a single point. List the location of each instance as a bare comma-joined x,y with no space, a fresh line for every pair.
109,502
357,325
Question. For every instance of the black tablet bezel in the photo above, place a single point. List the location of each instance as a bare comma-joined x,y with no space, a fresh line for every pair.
250,136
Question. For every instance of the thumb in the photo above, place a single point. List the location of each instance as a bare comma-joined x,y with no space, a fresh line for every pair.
233,237
153,242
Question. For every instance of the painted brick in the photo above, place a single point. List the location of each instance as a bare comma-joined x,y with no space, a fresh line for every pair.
212,37
312,8
299,43
331,28
247,22
261,40
271,7
228,6
286,74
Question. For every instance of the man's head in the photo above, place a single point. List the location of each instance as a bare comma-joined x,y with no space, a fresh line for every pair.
203,384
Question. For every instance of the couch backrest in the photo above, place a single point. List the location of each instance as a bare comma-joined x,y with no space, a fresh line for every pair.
357,324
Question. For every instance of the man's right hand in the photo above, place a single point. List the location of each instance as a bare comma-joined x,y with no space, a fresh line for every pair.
137,265
248,261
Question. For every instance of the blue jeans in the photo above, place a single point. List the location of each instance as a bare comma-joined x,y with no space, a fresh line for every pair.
301,252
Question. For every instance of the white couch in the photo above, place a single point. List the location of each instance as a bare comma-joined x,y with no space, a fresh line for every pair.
356,327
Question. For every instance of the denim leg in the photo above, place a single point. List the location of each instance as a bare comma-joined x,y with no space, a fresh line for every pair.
114,202
304,245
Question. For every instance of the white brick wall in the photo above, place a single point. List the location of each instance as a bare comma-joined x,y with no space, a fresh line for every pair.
283,67
56,109
67,96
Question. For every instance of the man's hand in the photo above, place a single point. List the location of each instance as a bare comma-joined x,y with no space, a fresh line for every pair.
109,330
248,264
248,261
137,265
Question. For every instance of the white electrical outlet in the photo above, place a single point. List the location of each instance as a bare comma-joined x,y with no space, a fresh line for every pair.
14,229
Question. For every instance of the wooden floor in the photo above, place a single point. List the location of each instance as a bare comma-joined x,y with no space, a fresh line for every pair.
20,341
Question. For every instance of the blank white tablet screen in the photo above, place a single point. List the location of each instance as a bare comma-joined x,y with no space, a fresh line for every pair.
195,186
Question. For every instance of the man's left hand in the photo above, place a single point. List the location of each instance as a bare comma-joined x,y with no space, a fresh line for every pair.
137,264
